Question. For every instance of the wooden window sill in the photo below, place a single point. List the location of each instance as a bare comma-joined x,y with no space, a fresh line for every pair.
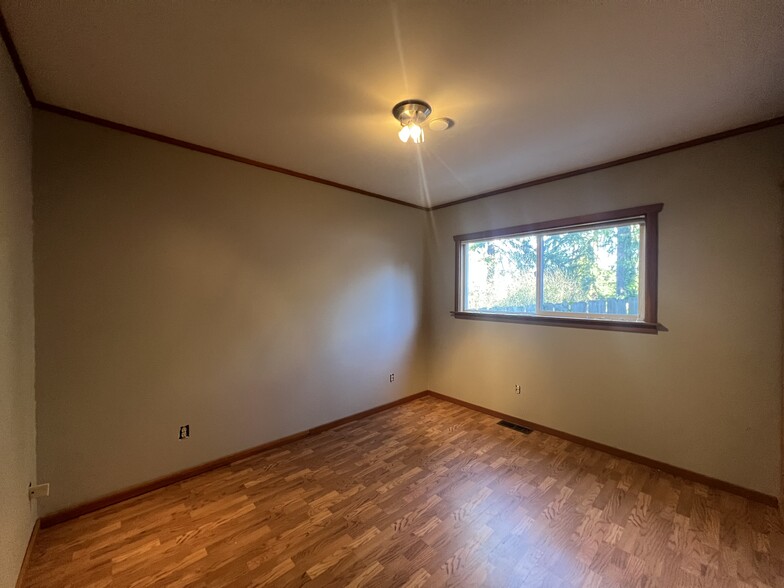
557,321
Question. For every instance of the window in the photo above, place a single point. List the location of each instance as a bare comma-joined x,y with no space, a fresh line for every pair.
595,271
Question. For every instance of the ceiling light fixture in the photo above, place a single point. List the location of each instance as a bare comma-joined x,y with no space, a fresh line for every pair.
412,114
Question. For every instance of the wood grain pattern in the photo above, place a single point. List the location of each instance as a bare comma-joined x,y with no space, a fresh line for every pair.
145,487
428,493
669,468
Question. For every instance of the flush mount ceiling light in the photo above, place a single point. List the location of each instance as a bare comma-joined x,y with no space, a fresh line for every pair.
412,114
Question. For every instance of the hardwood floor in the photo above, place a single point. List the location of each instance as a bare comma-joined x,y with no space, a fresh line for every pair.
426,494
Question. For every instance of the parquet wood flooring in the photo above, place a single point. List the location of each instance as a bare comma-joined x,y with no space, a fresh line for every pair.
425,494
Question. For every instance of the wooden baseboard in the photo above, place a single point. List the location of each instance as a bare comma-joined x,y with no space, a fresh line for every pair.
755,495
134,491
28,552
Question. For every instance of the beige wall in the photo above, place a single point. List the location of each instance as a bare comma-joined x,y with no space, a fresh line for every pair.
17,396
175,287
706,394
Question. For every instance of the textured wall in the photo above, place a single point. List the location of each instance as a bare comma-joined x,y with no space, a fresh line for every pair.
176,287
17,363
706,394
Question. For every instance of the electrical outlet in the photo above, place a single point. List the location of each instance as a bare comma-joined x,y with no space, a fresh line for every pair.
38,491
391,377
518,389
185,431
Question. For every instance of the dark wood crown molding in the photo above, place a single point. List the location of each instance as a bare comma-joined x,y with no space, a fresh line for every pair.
647,211
772,122
5,34
546,180
214,152
20,71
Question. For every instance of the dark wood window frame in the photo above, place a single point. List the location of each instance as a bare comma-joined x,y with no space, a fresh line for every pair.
649,323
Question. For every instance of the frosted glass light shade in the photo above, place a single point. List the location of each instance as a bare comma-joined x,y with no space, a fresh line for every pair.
412,131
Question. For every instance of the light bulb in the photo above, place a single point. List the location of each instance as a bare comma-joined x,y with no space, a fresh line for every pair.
412,131
417,134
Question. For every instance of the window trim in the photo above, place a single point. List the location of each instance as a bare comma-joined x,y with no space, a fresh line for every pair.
648,259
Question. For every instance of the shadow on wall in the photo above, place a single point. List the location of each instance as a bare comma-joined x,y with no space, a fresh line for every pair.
386,299
332,319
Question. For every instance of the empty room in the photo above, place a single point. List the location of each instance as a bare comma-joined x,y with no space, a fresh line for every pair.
391,293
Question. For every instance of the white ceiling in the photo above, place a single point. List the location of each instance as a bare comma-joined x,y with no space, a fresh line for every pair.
536,87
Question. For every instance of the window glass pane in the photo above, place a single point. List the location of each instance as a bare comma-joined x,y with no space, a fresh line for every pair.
595,271
500,275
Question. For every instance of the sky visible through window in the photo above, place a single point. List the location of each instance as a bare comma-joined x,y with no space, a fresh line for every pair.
588,271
